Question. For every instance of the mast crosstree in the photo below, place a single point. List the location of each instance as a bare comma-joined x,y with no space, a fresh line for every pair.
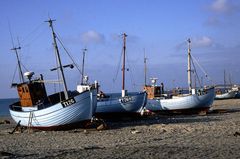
50,21
19,64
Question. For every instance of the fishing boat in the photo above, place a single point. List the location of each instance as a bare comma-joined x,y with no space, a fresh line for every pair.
225,91
62,110
236,88
195,100
227,94
123,103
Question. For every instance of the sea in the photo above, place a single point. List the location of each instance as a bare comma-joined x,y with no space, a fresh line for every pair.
4,106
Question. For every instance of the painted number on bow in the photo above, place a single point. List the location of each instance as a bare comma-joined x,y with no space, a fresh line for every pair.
68,102
125,99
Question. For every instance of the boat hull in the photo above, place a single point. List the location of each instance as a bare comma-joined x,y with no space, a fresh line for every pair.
184,103
132,103
237,95
227,95
58,115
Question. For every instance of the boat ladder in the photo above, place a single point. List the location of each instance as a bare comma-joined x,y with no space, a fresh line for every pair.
30,121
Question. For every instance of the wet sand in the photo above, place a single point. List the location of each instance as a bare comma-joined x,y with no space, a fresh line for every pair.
215,135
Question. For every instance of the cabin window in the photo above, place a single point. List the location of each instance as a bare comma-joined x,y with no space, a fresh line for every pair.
19,90
26,89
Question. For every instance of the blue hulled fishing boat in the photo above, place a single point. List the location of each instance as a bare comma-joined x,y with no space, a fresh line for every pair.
121,103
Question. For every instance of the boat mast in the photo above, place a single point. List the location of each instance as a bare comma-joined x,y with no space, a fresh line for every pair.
19,64
189,66
224,79
58,58
230,80
145,69
84,51
123,65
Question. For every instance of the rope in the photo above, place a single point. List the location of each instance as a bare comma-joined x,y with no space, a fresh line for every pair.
203,70
196,73
119,64
24,67
131,74
14,73
58,74
33,38
69,55
10,31
34,30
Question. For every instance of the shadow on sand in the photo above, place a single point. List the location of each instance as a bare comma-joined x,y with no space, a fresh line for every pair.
158,118
118,122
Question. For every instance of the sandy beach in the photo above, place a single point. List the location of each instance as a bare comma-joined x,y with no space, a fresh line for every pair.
215,135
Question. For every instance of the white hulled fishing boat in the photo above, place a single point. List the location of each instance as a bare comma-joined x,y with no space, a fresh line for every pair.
58,111
196,100
225,91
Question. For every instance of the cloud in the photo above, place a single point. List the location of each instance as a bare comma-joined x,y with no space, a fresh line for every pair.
197,42
212,21
86,38
203,41
91,36
115,36
220,6
222,12
223,6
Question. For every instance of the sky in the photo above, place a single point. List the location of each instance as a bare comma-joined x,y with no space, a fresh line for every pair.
160,28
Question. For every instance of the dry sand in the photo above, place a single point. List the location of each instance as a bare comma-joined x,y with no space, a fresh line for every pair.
215,135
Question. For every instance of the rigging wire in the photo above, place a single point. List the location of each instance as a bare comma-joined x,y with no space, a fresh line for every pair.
196,75
58,75
203,70
14,73
118,67
14,47
131,74
33,31
68,53
20,56
24,67
25,44
10,31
